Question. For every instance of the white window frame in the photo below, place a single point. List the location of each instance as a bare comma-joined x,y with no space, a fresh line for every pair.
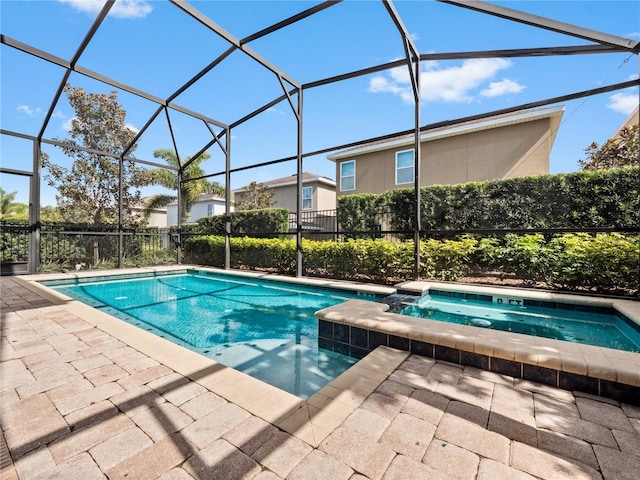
342,189
310,198
412,167
210,209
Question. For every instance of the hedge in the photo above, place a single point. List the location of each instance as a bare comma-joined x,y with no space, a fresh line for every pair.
246,252
358,213
263,222
605,263
604,198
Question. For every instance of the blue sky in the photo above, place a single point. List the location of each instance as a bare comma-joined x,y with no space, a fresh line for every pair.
155,47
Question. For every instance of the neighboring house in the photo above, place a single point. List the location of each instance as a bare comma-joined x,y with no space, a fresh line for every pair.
632,119
505,146
157,217
318,193
207,205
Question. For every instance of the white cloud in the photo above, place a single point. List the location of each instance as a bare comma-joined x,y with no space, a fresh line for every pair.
503,87
26,109
623,102
132,128
121,9
66,125
453,84
275,110
381,84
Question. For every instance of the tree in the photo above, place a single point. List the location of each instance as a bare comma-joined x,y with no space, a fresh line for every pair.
6,201
50,214
10,209
89,190
256,196
618,152
190,189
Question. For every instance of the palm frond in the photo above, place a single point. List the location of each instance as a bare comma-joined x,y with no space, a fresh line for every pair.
157,201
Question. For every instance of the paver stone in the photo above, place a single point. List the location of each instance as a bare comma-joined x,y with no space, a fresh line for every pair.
221,461
320,466
547,465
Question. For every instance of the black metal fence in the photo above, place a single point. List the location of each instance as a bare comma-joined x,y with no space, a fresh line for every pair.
82,248
68,247
324,225
14,243
316,225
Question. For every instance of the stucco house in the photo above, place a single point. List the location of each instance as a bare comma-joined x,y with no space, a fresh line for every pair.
318,192
632,119
157,217
504,146
207,205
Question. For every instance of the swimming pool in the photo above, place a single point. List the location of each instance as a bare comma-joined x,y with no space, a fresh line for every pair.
264,328
573,323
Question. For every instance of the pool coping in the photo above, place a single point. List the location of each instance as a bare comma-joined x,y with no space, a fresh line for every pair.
313,419
572,366
310,420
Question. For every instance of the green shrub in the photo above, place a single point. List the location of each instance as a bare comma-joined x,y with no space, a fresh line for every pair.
205,250
212,225
376,260
602,262
266,221
358,213
265,253
605,199
605,262
446,259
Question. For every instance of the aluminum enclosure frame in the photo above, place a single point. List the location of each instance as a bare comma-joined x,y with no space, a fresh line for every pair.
294,90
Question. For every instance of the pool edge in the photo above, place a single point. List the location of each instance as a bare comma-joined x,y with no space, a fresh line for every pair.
310,420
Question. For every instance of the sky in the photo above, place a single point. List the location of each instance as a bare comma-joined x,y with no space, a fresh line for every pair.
155,47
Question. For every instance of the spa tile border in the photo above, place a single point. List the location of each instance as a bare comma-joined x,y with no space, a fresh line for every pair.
548,376
356,327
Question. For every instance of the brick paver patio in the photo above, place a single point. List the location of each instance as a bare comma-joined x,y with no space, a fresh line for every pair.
78,403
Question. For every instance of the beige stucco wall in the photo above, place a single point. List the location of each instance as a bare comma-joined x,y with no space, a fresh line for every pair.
631,120
324,197
285,197
505,152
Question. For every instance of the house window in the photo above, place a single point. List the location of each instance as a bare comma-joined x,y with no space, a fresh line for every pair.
404,167
348,175
209,209
307,198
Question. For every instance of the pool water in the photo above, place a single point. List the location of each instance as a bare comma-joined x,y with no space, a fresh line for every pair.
599,329
263,328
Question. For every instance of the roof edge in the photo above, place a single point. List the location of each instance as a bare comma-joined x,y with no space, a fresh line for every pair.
461,129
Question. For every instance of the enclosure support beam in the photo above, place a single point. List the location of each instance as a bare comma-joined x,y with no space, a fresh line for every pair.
417,157
214,27
33,261
412,61
180,200
299,264
227,201
547,24
120,211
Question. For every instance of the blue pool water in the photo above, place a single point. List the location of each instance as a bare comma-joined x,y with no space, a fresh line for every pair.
599,329
264,328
